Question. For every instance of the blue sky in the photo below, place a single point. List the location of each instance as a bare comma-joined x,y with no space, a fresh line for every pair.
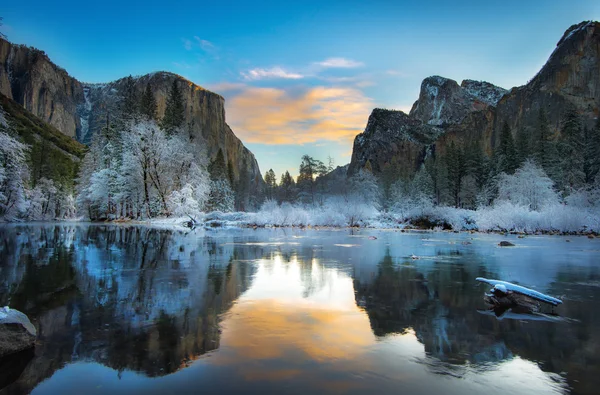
300,77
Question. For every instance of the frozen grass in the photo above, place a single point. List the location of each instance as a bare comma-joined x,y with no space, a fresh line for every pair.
501,217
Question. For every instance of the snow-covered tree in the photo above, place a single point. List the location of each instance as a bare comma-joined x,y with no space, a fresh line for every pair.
221,197
529,186
151,175
14,176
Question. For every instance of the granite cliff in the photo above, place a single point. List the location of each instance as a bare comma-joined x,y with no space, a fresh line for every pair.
78,110
475,111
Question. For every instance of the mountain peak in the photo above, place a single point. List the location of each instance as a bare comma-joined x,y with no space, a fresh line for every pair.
574,29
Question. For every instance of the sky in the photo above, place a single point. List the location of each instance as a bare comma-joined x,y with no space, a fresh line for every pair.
300,77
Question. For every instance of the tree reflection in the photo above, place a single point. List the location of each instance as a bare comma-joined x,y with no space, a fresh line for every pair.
128,297
441,307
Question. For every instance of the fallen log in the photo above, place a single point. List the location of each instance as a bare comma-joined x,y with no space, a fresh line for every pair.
517,293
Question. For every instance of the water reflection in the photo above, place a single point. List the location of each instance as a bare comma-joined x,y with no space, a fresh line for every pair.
292,311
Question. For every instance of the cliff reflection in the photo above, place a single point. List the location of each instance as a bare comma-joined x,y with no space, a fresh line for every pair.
440,306
131,298
290,311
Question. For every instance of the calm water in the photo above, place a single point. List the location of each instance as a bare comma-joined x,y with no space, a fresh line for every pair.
126,309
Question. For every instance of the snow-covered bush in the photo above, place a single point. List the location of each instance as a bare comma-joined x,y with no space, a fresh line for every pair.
529,186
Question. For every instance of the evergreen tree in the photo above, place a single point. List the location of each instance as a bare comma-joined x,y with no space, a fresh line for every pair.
271,181
230,173
523,145
570,148
544,150
506,155
130,106
592,152
242,189
222,196
287,188
438,172
476,163
455,164
148,104
310,168
217,168
174,109
387,178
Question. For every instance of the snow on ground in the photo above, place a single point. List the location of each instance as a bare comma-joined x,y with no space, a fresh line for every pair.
503,217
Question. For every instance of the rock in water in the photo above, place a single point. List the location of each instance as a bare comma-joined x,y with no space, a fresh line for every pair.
506,244
16,331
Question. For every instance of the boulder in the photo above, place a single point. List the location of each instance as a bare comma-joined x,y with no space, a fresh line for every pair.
17,333
506,244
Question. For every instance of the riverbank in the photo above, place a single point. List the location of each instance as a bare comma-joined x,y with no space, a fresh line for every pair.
559,221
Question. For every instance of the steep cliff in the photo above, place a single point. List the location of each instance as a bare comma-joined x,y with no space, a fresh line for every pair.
29,77
79,110
476,111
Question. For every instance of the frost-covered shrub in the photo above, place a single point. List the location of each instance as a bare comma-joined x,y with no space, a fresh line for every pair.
505,216
184,202
529,186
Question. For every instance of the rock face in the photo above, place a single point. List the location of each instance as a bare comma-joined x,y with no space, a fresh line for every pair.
476,111
29,77
79,110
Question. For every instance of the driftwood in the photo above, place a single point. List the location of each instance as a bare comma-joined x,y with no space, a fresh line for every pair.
503,289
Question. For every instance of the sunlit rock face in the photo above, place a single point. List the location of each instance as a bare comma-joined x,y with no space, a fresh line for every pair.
79,110
29,77
477,110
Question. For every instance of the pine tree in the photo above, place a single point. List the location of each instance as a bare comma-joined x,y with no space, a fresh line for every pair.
217,168
242,189
174,110
230,173
570,149
506,155
476,163
310,168
148,104
455,164
523,145
544,150
287,188
271,181
592,153
130,106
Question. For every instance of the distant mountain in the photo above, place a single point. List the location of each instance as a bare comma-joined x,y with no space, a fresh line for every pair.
79,110
476,111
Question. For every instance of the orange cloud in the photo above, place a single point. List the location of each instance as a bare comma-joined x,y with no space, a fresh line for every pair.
274,116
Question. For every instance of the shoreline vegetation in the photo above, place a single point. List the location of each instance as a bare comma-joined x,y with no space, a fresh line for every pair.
298,220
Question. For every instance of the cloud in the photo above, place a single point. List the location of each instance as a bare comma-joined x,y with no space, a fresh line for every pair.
187,44
275,116
396,73
226,86
342,63
273,72
205,44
